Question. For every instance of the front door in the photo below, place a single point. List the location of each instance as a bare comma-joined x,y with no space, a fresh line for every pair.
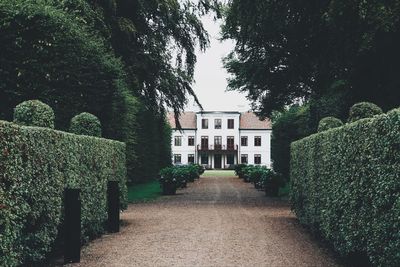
217,161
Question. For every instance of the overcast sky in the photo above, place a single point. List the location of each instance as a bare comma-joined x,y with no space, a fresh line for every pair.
211,77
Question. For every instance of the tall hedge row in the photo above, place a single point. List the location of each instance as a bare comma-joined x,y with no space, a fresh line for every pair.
346,187
36,165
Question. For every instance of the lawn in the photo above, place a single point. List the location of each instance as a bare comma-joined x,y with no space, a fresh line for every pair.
144,192
223,173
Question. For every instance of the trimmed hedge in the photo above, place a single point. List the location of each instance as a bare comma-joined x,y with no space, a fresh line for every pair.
85,124
363,110
345,186
329,123
34,113
36,165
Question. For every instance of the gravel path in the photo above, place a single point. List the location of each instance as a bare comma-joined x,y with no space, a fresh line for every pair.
217,221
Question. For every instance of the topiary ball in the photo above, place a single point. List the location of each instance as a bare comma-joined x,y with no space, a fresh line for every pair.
34,113
86,124
329,123
363,110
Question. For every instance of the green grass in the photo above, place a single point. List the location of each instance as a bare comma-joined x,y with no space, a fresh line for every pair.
144,192
222,173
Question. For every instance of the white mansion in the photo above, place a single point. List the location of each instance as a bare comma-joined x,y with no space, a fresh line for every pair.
218,140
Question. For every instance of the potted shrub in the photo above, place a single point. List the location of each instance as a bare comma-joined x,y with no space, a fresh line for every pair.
168,182
200,169
239,169
181,174
247,173
192,173
257,176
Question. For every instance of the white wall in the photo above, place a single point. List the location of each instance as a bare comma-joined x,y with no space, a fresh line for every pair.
183,150
224,132
264,150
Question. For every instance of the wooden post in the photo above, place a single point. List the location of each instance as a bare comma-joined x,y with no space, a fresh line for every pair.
113,206
72,226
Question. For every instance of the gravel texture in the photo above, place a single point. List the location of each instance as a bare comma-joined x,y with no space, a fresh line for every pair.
217,221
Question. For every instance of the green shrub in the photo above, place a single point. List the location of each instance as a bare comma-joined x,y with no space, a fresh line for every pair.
182,174
36,165
272,181
239,168
329,123
86,124
290,125
256,173
345,186
363,110
193,172
34,113
168,182
247,173
200,169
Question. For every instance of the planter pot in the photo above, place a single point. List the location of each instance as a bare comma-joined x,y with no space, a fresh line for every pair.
169,189
183,184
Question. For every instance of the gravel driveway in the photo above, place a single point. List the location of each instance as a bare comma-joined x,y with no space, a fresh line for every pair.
217,221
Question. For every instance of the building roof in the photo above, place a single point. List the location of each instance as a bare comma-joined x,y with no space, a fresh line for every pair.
250,121
187,120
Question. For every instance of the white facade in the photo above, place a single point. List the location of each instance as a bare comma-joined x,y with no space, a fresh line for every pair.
251,150
184,149
218,140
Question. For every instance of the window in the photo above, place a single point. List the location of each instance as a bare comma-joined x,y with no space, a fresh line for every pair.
230,159
243,141
218,142
177,158
257,159
257,140
231,123
204,124
244,159
191,158
204,142
191,141
230,142
178,140
204,159
217,123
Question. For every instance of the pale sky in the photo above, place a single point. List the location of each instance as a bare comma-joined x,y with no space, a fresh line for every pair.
211,77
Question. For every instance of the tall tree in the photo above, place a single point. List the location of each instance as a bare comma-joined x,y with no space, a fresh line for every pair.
286,50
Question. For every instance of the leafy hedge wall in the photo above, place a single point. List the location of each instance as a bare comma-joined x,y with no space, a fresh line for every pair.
346,186
36,164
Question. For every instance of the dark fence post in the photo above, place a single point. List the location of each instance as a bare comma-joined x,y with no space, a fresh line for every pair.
113,206
72,224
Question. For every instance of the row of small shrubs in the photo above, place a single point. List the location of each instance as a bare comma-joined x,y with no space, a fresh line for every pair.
262,177
36,165
172,178
345,185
